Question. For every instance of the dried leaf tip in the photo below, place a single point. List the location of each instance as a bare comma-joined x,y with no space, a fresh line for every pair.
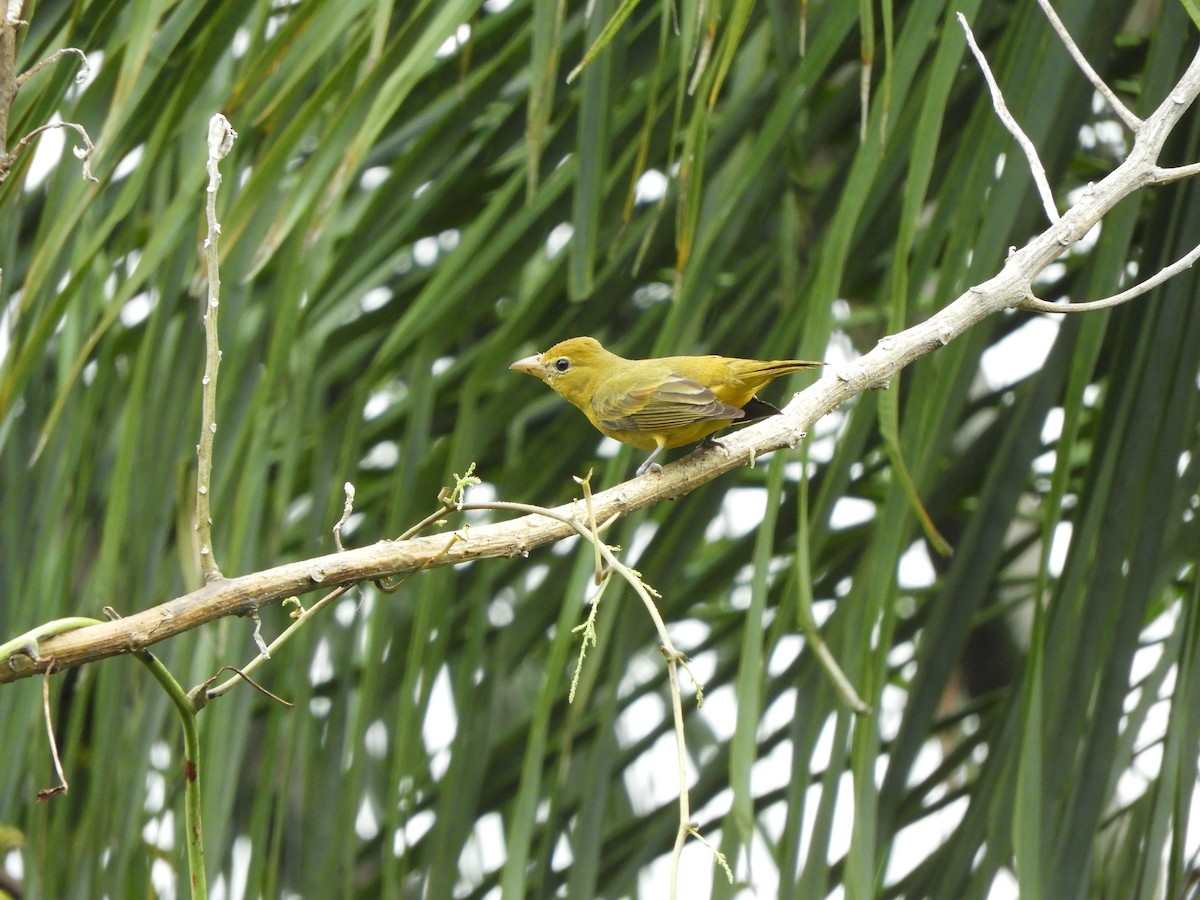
220,137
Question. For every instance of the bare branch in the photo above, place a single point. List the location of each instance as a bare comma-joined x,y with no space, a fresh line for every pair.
1132,122
62,787
1031,155
83,153
220,140
347,509
1181,264
243,673
1009,288
80,76
1168,174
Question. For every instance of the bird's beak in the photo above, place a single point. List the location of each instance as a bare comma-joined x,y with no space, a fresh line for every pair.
531,365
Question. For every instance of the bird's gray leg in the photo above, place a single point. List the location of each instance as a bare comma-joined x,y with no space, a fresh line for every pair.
649,464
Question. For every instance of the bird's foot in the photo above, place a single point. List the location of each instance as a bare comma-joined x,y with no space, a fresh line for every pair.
711,441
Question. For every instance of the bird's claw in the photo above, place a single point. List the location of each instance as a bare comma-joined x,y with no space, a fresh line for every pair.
711,441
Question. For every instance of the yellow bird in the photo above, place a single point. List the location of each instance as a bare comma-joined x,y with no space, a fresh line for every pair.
657,404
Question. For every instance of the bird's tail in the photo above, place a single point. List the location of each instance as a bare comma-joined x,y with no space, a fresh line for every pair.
756,374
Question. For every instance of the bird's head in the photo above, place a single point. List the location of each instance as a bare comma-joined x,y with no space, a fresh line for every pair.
572,367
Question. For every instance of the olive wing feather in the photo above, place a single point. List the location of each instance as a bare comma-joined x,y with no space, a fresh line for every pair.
675,401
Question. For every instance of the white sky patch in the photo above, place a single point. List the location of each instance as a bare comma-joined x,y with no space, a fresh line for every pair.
375,298
377,405
742,510
1020,353
449,239
425,251
1052,427
1059,545
687,634
129,162
639,718
486,851
137,310
849,511
375,739
441,720
374,177
646,295
484,492
637,545
785,653
320,670
1052,274
346,611
240,43
451,45
383,455
414,829
366,823
1004,886
1108,134
915,570
560,235
47,154
651,187
652,784
502,609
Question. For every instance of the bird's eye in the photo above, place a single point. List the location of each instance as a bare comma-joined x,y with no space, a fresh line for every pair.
562,364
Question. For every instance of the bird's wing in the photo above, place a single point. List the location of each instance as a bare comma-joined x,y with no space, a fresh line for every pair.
670,403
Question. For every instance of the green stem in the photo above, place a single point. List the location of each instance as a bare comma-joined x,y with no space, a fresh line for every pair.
191,770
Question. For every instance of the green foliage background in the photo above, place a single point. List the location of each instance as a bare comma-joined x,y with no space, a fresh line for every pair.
386,217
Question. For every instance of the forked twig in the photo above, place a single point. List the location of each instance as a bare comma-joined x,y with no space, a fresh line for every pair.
1031,155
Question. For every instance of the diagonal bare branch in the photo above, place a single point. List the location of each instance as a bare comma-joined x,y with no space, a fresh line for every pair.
1123,112
1031,155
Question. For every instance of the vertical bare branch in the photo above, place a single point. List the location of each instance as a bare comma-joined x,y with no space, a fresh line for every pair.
220,140
8,65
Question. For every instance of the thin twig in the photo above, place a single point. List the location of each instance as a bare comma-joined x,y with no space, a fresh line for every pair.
1035,164
588,639
283,638
200,694
685,814
1181,264
432,518
62,786
261,644
84,153
1168,174
1131,121
395,586
347,509
586,484
220,140
80,77
672,655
